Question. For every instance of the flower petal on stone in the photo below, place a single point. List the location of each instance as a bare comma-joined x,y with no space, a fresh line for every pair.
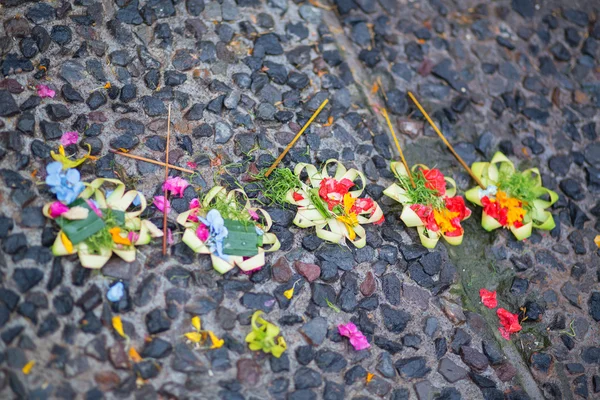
69,138
488,298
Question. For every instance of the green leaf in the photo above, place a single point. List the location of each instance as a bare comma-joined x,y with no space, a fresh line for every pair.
241,240
332,306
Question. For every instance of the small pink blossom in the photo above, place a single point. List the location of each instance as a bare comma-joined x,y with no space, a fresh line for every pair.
202,232
133,237
92,204
170,240
176,185
69,138
194,210
192,165
253,214
159,202
357,339
57,209
45,91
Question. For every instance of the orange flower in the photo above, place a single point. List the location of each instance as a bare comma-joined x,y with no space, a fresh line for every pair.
444,219
117,238
515,212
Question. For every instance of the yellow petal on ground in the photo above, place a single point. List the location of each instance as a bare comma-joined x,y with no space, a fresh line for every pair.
195,337
196,323
118,325
216,342
597,240
66,242
370,377
134,355
289,293
27,367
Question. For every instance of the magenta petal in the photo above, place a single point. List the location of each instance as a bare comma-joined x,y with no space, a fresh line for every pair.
195,203
359,342
93,206
159,202
69,138
133,237
44,91
57,209
202,232
253,215
176,185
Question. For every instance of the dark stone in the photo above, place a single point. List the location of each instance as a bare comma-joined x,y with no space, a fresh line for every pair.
157,321
305,378
394,320
25,278
541,362
8,106
157,348
413,367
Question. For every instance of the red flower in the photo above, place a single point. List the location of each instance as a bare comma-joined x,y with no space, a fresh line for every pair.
488,298
362,205
435,180
333,191
426,215
493,209
297,196
509,321
457,204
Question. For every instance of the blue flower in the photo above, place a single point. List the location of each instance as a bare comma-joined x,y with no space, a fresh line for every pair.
137,201
116,292
65,184
218,232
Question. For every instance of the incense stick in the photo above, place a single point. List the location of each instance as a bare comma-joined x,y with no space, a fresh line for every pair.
166,202
148,160
441,135
289,146
389,123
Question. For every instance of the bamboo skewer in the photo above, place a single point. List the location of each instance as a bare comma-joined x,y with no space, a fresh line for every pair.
289,146
441,135
389,123
148,160
165,203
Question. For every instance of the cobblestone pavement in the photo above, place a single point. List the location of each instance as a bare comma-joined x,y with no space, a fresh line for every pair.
242,78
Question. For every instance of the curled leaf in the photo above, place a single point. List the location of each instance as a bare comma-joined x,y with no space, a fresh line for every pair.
264,336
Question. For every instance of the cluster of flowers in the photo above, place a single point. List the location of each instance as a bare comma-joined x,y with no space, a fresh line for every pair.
508,211
446,220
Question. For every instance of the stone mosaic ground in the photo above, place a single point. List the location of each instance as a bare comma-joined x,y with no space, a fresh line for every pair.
242,77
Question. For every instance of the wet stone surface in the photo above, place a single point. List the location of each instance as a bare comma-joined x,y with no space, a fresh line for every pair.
242,77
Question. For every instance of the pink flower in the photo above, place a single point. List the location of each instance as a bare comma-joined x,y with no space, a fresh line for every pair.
159,202
176,185
133,237
69,138
253,214
170,237
192,165
195,203
357,339
202,232
44,91
92,204
57,209
194,210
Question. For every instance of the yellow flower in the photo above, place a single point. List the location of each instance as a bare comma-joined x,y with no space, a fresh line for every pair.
196,323
443,218
288,294
117,238
66,161
66,242
195,337
597,240
216,342
515,212
349,218
118,325
134,355
27,367
370,376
